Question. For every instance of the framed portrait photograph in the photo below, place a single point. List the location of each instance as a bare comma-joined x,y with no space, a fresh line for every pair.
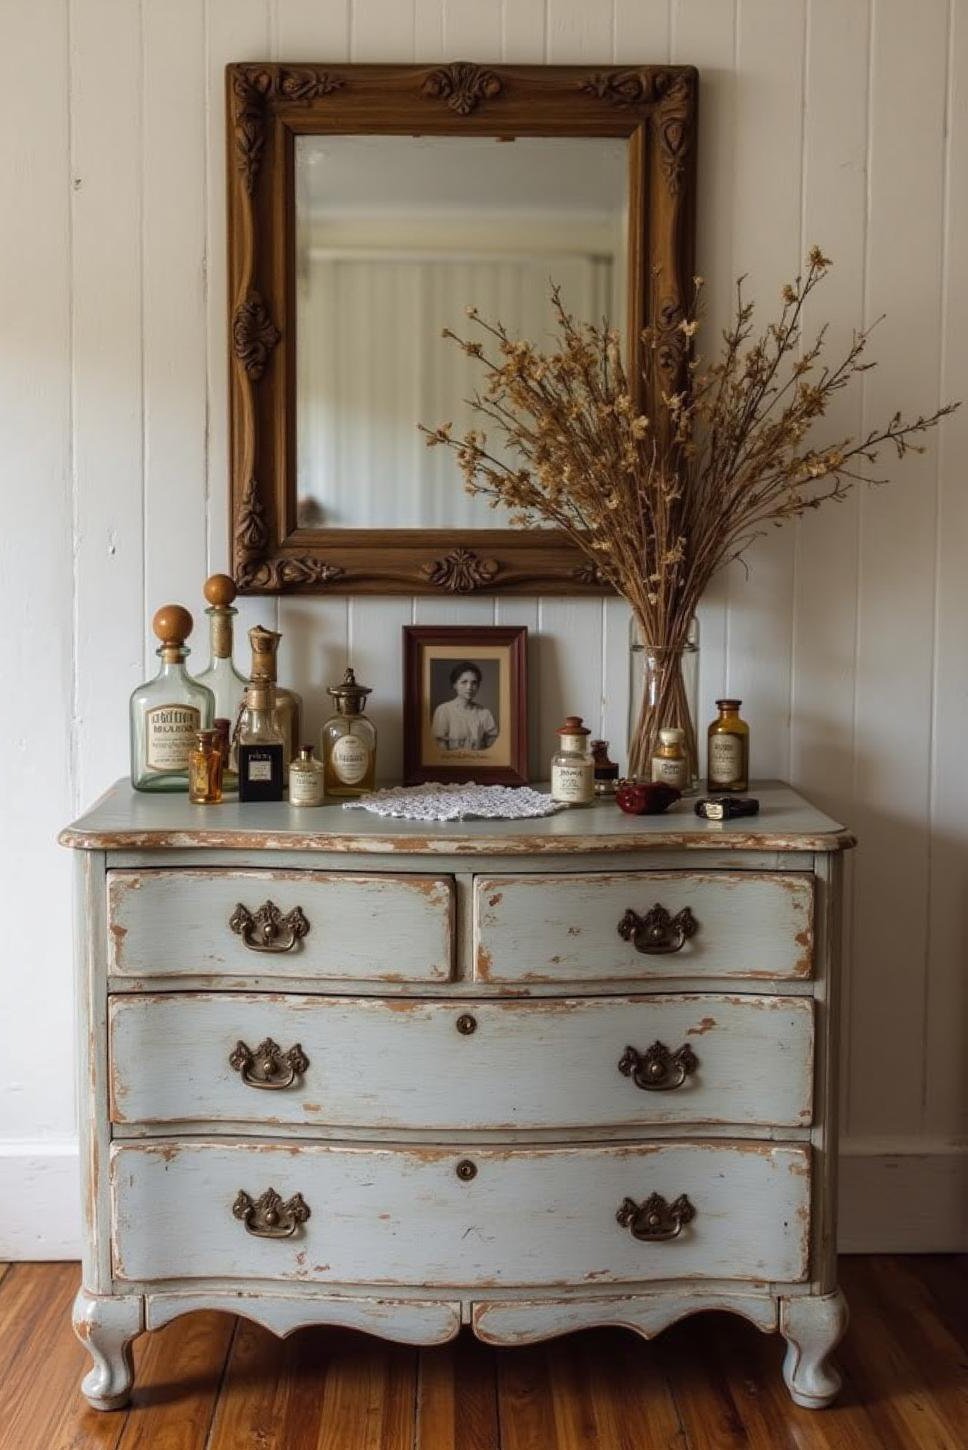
465,704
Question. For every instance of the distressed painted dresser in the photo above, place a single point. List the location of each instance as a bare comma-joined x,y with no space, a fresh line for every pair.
526,1076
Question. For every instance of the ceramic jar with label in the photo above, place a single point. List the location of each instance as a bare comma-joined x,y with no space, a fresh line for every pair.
349,741
572,766
670,764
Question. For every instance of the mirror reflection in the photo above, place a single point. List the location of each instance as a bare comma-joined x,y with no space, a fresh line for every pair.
395,237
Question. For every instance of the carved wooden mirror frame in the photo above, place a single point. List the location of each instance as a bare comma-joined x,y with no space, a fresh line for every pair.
269,105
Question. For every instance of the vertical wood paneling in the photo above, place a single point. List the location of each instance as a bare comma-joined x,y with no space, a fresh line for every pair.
382,31
35,567
835,217
472,30
173,211
523,31
897,562
106,128
767,246
704,34
578,31
946,1034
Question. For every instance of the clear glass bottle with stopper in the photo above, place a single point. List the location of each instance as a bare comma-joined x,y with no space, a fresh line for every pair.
572,766
261,745
349,741
166,712
306,787
221,677
728,749
265,643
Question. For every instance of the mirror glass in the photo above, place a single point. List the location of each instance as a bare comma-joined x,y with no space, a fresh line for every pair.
395,237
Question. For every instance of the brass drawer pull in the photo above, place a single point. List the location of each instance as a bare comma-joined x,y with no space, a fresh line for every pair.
657,932
654,1221
268,930
657,1070
261,1068
268,1217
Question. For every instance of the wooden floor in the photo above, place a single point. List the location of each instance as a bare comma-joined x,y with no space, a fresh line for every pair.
211,1382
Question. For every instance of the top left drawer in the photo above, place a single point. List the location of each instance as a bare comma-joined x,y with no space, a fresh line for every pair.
336,925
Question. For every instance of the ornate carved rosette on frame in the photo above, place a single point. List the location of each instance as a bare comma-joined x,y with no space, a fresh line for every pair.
269,106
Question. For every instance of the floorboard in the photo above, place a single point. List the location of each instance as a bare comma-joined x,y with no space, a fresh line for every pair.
213,1382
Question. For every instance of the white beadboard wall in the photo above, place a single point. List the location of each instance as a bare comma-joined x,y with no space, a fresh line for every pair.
838,121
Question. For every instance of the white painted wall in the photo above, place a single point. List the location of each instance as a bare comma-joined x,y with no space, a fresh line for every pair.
838,121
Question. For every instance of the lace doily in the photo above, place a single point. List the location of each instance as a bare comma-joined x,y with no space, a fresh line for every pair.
457,802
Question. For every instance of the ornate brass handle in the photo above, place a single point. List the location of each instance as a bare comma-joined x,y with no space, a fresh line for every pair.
658,1070
654,1221
657,932
268,930
261,1068
268,1217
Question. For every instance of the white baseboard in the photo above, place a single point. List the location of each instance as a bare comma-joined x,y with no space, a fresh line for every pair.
40,1196
903,1196
897,1196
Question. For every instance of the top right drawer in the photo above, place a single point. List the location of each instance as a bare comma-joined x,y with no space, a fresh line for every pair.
642,925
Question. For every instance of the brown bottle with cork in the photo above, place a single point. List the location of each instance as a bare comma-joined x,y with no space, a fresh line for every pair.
168,711
728,749
221,677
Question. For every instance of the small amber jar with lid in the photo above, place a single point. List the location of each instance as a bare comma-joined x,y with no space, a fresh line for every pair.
205,763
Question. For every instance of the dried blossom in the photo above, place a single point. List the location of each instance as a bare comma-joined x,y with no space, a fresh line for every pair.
661,504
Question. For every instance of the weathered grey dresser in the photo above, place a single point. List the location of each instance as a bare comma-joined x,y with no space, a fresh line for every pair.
525,1076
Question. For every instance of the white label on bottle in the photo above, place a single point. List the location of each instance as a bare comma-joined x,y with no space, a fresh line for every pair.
350,759
670,772
260,769
305,787
725,759
573,783
170,735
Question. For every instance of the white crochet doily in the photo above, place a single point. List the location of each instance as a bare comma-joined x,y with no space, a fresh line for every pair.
457,802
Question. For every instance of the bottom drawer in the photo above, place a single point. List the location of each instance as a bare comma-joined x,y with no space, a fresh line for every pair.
438,1217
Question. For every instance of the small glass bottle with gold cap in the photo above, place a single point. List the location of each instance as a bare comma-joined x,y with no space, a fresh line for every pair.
221,677
205,769
166,712
261,747
349,741
288,705
306,779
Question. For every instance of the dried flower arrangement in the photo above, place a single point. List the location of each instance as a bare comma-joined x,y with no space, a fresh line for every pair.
660,504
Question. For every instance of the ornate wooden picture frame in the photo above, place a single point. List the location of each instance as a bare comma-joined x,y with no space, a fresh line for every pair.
465,703
269,106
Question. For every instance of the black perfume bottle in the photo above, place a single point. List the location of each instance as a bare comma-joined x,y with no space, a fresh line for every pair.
261,746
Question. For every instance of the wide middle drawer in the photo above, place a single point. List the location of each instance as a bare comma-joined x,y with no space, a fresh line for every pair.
338,925
407,1063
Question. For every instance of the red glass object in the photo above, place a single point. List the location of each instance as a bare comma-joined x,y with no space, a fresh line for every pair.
645,798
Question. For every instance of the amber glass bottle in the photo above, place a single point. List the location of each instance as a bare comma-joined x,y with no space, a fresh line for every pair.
728,754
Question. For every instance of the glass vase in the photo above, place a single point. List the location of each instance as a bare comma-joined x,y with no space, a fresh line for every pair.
663,690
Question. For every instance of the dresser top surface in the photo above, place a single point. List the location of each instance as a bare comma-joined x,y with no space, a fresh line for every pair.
126,819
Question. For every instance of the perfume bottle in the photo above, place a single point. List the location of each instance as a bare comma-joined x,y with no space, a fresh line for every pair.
205,769
265,643
349,741
728,752
221,677
261,747
306,787
605,770
166,712
572,767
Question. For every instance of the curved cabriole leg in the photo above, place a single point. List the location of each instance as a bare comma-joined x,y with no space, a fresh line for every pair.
812,1327
107,1324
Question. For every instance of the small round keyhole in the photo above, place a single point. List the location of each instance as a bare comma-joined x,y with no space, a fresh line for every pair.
466,1024
466,1170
